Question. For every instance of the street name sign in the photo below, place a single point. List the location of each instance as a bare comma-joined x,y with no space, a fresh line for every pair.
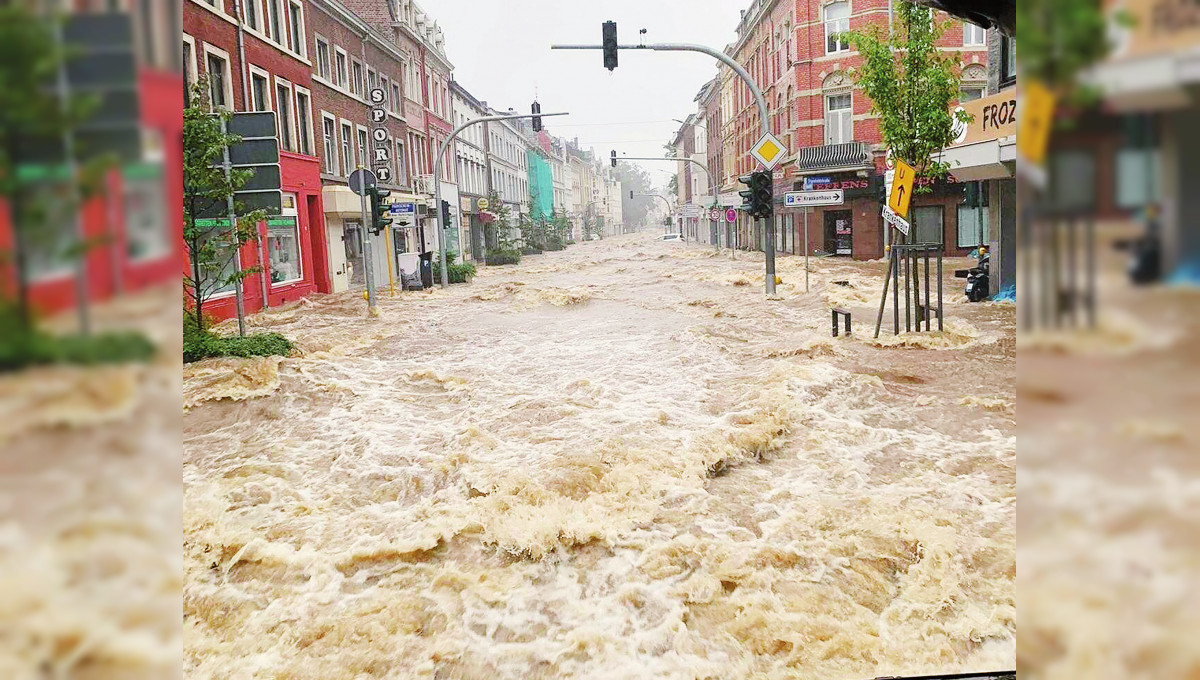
813,199
769,151
896,221
901,193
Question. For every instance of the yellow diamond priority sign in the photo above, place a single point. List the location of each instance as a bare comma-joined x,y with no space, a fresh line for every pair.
769,151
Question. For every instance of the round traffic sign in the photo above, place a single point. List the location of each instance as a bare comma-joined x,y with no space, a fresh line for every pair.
731,215
361,180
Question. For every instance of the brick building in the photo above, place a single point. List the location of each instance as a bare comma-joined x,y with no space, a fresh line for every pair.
135,221
260,61
350,58
789,48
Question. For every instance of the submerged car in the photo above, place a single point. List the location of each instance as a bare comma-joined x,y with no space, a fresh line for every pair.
670,237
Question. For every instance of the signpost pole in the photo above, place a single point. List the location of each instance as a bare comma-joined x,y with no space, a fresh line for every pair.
237,255
368,265
806,248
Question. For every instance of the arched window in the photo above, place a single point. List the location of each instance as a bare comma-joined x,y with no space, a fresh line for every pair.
837,20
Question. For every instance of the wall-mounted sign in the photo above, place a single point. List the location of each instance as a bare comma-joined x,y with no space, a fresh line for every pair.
813,199
994,117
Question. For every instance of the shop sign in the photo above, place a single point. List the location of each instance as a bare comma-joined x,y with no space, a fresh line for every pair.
993,117
1151,27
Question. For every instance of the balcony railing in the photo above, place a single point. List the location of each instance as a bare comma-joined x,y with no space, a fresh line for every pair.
830,156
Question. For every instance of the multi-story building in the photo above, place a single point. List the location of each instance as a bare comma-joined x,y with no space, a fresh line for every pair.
472,167
349,59
135,222
508,165
257,57
792,50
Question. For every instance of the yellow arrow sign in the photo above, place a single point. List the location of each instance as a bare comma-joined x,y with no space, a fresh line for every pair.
902,185
1033,124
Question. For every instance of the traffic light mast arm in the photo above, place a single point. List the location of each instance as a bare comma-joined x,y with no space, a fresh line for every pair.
688,47
437,176
663,198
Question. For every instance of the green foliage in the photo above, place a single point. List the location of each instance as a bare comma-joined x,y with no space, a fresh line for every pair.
201,343
22,346
911,83
1060,39
455,272
211,249
502,256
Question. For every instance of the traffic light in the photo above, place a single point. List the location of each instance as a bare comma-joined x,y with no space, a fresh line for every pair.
610,45
537,120
758,194
446,214
380,213
631,194
882,197
614,158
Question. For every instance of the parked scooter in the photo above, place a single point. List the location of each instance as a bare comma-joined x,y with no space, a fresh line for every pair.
1145,251
978,281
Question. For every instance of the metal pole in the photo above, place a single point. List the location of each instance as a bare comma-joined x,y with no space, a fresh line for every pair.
437,177
887,277
764,121
68,141
806,249
895,289
227,166
928,308
365,230
939,286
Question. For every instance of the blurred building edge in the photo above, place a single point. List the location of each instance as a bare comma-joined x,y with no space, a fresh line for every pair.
1142,148
985,151
135,221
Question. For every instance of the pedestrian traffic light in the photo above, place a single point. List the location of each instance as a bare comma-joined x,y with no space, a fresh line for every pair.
610,45
614,158
537,120
446,214
380,213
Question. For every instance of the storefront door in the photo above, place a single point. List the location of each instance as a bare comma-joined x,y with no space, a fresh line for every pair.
352,238
839,232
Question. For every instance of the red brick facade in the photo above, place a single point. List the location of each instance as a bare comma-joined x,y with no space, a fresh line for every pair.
275,76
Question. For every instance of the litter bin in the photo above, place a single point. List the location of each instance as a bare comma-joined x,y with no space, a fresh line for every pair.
427,270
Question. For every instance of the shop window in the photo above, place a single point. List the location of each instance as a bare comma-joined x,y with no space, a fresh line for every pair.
145,215
972,227
1072,180
283,247
927,224
47,247
1137,177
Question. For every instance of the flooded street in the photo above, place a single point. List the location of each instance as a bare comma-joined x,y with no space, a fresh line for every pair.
615,461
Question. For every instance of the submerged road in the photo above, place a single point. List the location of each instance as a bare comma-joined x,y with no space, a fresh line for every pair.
616,461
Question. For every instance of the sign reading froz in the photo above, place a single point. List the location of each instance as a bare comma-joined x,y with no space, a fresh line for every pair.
992,118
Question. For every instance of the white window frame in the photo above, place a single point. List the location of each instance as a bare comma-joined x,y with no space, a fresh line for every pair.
394,104
360,93
333,158
320,40
228,75
826,21
846,132
280,38
298,40
348,164
193,69
270,103
291,121
969,30
254,11
297,91
362,134
341,78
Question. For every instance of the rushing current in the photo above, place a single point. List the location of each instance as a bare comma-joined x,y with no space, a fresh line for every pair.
617,461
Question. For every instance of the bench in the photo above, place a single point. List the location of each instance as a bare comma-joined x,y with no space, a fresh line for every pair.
843,312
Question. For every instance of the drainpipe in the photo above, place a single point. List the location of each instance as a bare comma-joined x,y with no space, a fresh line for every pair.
247,105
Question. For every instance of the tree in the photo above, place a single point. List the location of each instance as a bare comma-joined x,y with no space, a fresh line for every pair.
1062,38
911,83
212,244
634,178
33,118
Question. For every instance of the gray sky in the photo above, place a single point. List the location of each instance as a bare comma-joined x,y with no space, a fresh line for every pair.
501,54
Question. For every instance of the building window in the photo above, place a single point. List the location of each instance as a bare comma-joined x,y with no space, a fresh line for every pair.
296,26
372,79
394,105
972,227
363,148
839,124
387,91
323,66
260,90
927,223
971,93
276,21
356,78
254,14
347,148
189,69
219,80
329,131
146,237
1008,62
304,121
837,21
283,107
340,72
973,36
1072,180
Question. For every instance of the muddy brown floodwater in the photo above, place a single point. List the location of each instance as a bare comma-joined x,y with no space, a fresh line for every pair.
617,461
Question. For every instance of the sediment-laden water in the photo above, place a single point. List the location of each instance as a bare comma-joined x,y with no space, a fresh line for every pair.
616,461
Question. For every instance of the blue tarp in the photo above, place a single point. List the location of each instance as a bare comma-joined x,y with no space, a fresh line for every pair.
1006,294
1186,274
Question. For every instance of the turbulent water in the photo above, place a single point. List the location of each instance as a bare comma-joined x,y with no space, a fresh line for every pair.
618,461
